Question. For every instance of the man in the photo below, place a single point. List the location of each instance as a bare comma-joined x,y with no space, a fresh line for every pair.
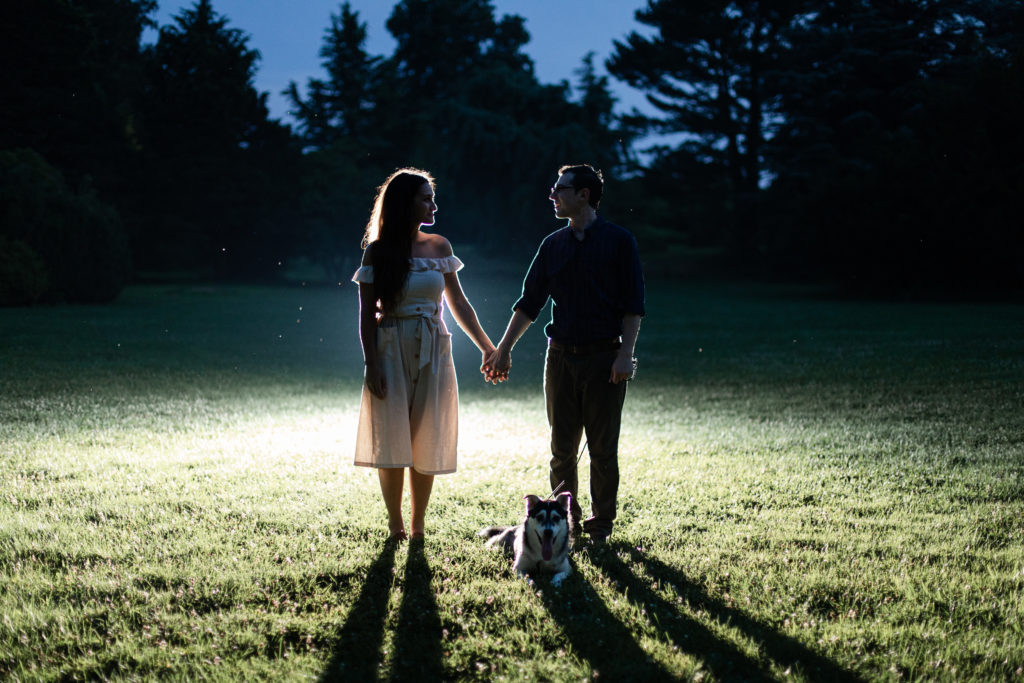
591,271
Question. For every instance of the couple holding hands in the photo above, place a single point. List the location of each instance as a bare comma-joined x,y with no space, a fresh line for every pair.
408,418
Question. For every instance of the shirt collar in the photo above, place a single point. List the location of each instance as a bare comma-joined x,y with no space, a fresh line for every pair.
582,235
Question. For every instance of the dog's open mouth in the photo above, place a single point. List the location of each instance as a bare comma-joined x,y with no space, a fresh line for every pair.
546,541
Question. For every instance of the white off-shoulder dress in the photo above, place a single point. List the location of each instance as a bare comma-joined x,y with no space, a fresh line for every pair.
417,423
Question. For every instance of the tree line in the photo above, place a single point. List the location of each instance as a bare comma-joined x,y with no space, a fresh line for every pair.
874,144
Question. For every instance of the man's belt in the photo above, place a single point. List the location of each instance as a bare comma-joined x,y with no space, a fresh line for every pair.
583,349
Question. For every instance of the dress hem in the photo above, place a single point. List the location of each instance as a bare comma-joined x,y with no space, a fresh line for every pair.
395,467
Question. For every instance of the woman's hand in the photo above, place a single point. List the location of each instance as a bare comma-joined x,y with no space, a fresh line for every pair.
485,366
375,382
496,366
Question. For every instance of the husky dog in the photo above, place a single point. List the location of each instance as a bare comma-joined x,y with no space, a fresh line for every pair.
541,541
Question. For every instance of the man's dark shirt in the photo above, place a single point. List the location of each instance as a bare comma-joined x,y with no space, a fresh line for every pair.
593,283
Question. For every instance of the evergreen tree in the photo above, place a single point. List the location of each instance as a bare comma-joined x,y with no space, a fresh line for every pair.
870,187
705,70
216,181
464,104
72,71
432,64
71,77
342,105
612,143
469,107
202,96
339,122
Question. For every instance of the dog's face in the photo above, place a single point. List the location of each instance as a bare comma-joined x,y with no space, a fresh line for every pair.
547,521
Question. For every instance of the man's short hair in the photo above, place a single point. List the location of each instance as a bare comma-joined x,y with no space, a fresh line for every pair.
586,176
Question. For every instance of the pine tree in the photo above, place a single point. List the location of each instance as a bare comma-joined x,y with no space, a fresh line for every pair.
218,171
343,104
705,71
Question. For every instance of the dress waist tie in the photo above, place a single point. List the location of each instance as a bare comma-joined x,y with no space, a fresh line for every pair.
428,316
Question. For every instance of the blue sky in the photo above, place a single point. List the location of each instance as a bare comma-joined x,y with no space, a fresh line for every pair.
288,35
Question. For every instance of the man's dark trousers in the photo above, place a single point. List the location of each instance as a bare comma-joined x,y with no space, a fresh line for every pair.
580,399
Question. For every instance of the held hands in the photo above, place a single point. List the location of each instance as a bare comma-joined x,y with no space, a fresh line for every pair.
374,380
496,365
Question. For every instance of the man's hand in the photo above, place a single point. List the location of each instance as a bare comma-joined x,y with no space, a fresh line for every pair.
496,366
498,363
622,369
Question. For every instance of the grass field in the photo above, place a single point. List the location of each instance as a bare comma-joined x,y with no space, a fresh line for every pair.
811,490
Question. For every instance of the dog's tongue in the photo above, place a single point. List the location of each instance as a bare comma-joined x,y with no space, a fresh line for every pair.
545,546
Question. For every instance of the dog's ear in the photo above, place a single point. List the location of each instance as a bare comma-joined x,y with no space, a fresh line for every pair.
531,500
563,500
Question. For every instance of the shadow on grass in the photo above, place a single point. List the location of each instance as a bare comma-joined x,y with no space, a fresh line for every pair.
358,648
600,638
418,654
417,644
723,659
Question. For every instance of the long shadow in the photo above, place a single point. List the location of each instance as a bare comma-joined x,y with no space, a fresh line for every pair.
418,655
599,637
722,658
357,651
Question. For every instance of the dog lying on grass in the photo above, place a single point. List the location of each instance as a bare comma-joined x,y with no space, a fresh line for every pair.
541,541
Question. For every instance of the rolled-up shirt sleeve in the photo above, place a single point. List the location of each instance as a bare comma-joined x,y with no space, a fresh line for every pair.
535,288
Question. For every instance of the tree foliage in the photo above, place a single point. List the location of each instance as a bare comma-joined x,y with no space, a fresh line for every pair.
875,187
819,140
69,92
71,79
209,196
339,124
200,95
705,70
464,104
72,246
872,143
343,105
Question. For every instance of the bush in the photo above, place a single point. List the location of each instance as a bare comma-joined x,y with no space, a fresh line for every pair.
23,275
79,239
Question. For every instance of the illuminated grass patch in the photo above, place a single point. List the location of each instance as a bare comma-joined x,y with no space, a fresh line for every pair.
810,490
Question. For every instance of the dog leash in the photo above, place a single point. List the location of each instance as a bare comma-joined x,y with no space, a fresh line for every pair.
559,487
584,447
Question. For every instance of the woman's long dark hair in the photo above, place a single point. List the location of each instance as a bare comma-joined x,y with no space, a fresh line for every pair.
389,233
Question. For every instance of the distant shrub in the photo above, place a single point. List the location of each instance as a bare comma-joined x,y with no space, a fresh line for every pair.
23,275
79,239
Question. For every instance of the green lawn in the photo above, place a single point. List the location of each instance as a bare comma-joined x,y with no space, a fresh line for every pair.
811,490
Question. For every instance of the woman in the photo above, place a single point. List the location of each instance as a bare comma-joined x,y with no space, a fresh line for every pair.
409,412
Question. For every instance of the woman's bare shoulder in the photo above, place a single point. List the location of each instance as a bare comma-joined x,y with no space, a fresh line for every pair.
432,245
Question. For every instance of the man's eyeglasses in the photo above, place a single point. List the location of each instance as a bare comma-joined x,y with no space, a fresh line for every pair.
558,188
